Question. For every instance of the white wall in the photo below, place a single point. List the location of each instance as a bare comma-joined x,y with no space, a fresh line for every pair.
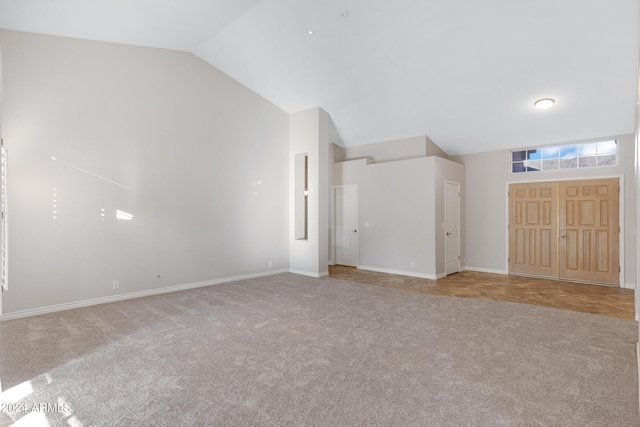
487,175
309,134
434,150
395,199
198,159
400,211
399,149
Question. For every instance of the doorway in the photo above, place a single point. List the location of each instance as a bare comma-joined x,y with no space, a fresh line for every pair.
452,227
345,202
567,230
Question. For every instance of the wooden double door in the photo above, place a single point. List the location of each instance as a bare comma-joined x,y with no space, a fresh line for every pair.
567,230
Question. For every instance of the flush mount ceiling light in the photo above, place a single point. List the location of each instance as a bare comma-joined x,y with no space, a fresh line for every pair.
544,103
344,13
310,32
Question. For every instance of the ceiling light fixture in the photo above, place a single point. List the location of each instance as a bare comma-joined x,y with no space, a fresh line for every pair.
310,32
544,103
344,13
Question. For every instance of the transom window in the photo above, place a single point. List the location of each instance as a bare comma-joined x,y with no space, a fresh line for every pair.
587,155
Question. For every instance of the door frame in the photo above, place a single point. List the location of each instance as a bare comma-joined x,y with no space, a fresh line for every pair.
446,182
621,254
332,234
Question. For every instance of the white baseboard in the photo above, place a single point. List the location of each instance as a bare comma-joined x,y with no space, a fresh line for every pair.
628,286
308,273
130,295
484,270
400,272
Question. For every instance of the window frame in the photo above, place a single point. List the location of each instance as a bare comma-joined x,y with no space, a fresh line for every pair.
602,153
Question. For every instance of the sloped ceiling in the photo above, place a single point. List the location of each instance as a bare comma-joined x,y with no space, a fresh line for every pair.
463,72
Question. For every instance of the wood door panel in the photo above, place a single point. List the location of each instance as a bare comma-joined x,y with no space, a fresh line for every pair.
586,250
532,229
532,213
602,248
573,247
546,241
520,243
588,244
587,214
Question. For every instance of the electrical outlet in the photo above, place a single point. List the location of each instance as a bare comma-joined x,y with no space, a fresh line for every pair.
413,264
270,264
116,284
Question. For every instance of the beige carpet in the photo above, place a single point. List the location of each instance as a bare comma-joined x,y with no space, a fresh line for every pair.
290,350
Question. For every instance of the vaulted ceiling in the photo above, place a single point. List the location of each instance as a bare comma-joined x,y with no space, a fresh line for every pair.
463,72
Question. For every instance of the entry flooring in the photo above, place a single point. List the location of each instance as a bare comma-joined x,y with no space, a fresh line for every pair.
603,300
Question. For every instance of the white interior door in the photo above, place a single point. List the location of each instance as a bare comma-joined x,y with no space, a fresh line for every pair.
346,223
452,227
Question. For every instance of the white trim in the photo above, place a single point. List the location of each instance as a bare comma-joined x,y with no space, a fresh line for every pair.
130,295
636,298
621,234
506,221
574,178
638,356
628,286
621,223
484,270
400,272
308,273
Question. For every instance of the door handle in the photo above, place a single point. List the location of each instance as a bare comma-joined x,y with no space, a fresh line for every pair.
449,234
354,231
562,236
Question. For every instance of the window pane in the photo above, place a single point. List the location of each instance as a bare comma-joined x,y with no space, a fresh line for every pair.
568,163
534,154
533,165
610,160
550,164
517,167
518,156
550,153
568,152
607,147
588,149
587,162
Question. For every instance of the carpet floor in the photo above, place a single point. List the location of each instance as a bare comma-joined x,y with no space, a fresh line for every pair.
288,350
